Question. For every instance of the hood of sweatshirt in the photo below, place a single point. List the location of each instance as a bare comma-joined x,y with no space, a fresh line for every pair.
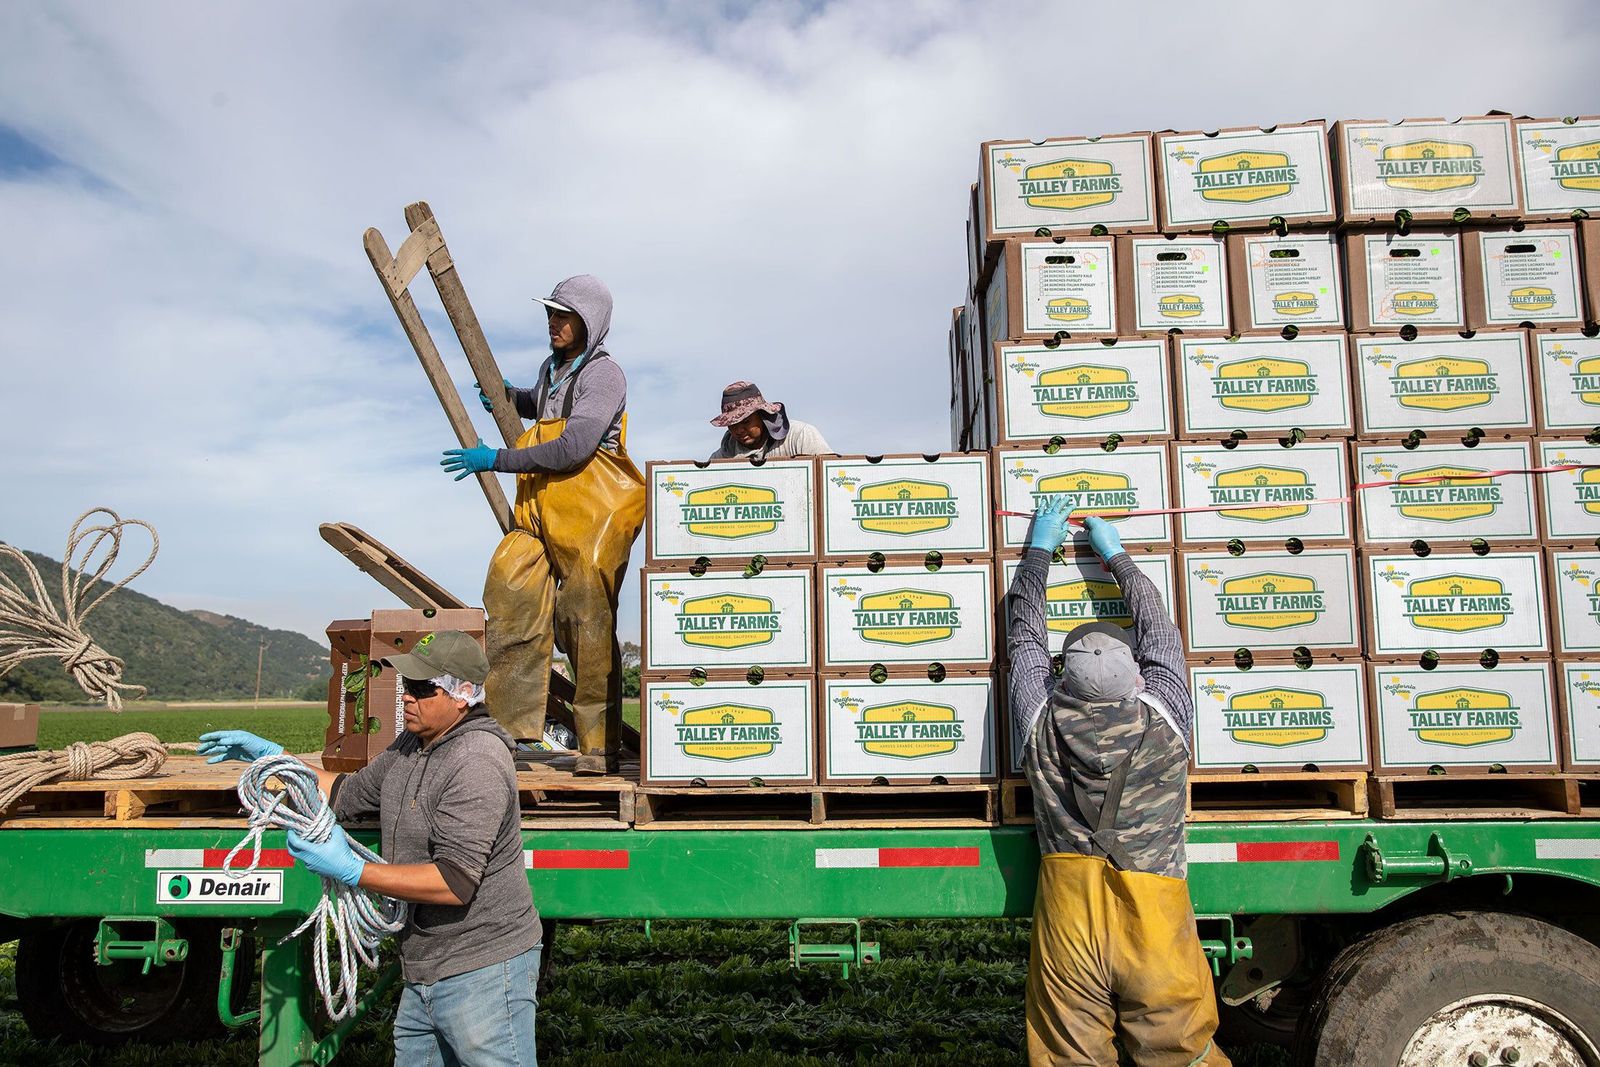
589,297
477,720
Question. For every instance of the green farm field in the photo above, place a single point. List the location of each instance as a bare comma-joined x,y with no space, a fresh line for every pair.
683,993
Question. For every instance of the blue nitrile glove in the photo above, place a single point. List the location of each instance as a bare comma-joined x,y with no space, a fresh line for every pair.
332,858
1049,524
1103,537
487,406
474,460
241,745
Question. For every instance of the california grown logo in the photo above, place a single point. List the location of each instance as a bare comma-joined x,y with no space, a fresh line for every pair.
1069,605
1270,601
1445,383
731,511
905,507
903,729
1464,717
1262,494
727,621
1446,494
725,732
1069,184
1085,391
1245,177
1278,717
1264,385
1429,166
1456,603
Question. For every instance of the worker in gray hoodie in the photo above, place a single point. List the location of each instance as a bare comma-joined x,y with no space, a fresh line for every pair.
445,796
555,578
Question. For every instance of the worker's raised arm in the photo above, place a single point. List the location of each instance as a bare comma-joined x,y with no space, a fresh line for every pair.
1027,633
599,394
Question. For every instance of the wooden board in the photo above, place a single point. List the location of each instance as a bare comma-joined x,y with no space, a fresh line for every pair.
814,807
1477,795
1276,796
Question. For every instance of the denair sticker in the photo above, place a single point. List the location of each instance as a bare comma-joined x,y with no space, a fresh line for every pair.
1464,718
906,729
1430,166
214,887
1271,601
1445,383
1245,177
1277,717
1461,496
731,511
728,732
905,507
1264,384
1456,603
1085,391
1263,494
907,617
1070,184
727,621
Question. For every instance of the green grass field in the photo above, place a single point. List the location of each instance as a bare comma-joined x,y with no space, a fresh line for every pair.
688,993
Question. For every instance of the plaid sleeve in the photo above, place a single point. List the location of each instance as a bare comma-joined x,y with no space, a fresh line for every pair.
1158,641
1027,641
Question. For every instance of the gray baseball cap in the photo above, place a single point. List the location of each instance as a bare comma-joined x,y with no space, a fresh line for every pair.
1097,664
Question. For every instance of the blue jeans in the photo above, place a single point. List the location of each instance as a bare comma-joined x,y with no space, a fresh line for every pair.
483,1018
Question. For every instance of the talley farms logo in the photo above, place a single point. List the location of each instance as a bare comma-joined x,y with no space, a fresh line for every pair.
1068,309
1278,717
727,621
1531,298
1460,495
1068,605
1270,601
1295,303
904,729
1585,372
1428,166
1085,391
1456,603
1414,302
1585,581
1264,385
1067,184
905,507
1577,167
1464,718
1102,493
731,511
1244,177
1445,383
725,732
1180,306
907,617
1262,493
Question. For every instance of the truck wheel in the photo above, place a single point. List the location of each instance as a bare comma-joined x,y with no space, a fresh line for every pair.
1458,988
64,994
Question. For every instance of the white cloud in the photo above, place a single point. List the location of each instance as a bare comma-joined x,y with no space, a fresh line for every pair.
190,332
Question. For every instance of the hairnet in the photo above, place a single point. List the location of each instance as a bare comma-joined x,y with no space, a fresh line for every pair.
460,689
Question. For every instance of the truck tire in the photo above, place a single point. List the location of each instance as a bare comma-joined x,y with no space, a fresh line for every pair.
65,995
1458,988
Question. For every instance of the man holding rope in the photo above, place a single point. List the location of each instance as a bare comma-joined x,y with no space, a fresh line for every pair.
445,795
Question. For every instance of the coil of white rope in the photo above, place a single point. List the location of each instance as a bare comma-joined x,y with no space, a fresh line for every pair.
353,919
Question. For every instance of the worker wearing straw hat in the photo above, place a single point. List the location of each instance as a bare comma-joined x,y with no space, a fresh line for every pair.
759,428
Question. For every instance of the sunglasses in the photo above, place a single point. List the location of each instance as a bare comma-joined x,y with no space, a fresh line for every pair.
419,689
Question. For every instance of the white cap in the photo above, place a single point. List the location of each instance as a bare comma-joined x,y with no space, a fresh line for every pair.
554,306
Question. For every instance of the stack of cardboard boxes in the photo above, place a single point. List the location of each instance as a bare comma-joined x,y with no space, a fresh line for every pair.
1258,321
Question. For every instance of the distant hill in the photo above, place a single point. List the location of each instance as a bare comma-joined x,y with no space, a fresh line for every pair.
178,655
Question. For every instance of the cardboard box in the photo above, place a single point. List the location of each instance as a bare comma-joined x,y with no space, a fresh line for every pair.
1570,499
1092,185
1522,275
724,621
730,510
1263,386
1574,601
909,730
977,248
1559,162
727,733
1083,391
1580,706
1442,385
1456,604
1589,253
1245,177
1095,482
1456,511
906,506
1567,381
19,725
1079,590
1055,286
1463,717
1271,602
1280,717
1173,283
905,615
1270,493
1279,281
1433,169
1398,280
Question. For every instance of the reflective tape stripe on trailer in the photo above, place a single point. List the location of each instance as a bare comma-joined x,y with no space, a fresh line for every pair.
1566,848
896,857
575,859
1263,851
211,858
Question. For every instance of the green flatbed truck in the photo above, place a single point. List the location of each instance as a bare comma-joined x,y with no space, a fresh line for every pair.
1435,941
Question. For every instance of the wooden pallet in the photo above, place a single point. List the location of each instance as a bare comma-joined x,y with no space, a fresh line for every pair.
815,807
187,788
1275,796
1016,802
553,798
1478,795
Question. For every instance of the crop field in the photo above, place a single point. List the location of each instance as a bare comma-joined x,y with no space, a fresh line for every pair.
681,993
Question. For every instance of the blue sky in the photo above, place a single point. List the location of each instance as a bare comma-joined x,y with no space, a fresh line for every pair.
190,332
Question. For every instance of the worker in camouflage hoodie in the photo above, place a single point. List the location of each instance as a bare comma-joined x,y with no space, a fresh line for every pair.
1114,954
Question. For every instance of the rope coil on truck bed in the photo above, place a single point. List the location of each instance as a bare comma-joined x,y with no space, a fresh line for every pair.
136,755
355,920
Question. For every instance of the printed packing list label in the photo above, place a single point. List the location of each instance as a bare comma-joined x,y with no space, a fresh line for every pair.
1443,383
1280,717
1069,286
1093,482
1413,280
1270,601
909,728
727,620
1180,283
1433,167
1560,166
1069,185
1531,276
1461,504
1085,390
1465,716
1264,492
1293,281
1457,603
1569,377
1245,175
1265,384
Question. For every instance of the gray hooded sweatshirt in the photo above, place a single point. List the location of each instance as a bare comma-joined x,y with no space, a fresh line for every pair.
592,397
452,804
